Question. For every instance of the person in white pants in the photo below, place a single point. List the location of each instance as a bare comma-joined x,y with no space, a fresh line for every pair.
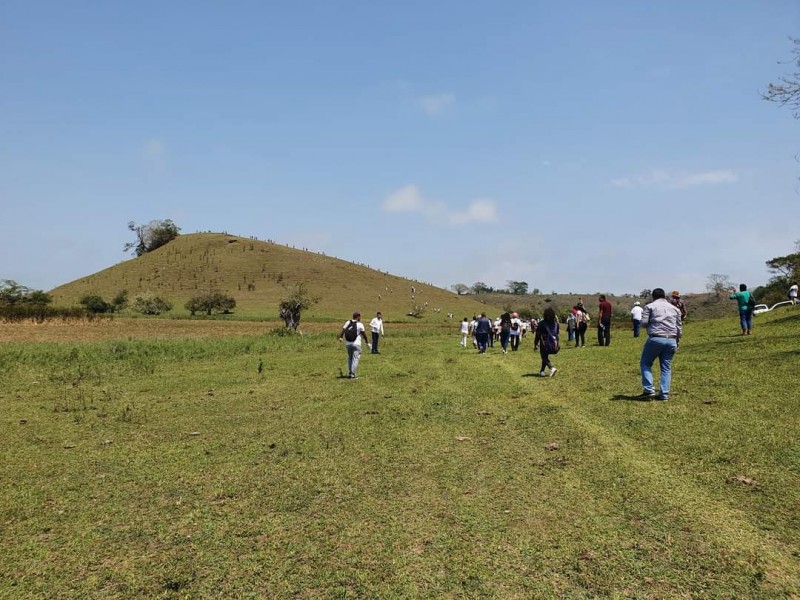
464,332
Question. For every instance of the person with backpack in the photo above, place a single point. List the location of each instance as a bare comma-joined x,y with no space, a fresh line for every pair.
746,304
505,330
352,333
547,337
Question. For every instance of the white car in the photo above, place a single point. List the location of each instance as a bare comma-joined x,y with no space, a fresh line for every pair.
762,308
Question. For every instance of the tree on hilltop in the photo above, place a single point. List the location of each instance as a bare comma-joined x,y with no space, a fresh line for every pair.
519,288
460,288
151,236
718,284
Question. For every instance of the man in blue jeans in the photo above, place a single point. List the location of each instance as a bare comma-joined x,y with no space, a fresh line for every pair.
663,323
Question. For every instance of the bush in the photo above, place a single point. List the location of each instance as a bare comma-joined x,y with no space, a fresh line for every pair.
149,304
40,313
95,304
210,302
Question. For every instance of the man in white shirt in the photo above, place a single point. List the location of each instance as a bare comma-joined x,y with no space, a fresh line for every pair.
352,334
793,293
376,325
636,317
516,332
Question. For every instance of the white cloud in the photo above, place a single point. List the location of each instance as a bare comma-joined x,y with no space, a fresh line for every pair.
410,200
406,199
479,211
436,104
676,180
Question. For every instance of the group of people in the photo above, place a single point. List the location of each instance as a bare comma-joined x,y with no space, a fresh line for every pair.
662,319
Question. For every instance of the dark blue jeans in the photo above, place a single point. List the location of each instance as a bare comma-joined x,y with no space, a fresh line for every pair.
604,332
483,341
375,337
746,319
637,324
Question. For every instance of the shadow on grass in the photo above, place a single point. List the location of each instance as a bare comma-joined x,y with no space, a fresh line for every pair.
628,397
533,375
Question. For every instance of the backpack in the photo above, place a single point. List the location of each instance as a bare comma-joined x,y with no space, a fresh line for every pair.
514,326
751,302
550,342
351,331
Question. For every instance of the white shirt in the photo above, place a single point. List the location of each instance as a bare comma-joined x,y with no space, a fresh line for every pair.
464,326
518,330
359,330
793,291
377,325
636,313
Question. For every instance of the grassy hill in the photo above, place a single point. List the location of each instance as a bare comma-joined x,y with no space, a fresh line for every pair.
256,272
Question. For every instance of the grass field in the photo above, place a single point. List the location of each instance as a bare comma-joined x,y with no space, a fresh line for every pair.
173,468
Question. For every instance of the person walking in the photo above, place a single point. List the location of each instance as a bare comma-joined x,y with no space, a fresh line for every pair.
505,331
547,336
472,327
376,325
636,317
581,325
604,321
516,332
483,330
664,329
793,293
746,303
571,325
352,333
464,332
677,302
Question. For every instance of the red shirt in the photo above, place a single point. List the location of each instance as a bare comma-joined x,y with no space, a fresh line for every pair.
605,309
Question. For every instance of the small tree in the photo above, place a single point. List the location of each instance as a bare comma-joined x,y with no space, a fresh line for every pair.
210,302
291,307
12,293
150,304
460,288
480,288
95,304
518,287
718,284
151,236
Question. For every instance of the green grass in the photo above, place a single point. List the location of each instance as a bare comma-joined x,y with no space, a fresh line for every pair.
172,468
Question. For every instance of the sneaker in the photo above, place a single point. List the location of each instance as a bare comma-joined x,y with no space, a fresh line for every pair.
542,374
646,396
504,352
553,371
662,398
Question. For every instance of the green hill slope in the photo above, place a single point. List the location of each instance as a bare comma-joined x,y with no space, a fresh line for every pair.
256,273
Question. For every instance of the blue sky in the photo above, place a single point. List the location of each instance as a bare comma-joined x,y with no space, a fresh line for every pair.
584,146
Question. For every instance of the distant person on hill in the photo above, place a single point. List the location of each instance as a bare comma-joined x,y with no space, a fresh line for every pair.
663,323
793,293
505,331
636,317
581,325
677,302
516,331
464,328
482,332
352,333
604,311
376,325
746,303
547,335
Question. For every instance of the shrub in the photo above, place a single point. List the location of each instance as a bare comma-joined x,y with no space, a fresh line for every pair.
95,304
149,304
210,302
